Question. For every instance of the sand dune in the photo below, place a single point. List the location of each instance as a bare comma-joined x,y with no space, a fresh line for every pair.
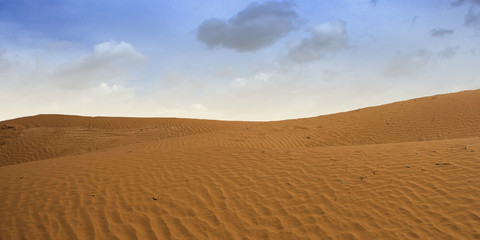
407,170
47,136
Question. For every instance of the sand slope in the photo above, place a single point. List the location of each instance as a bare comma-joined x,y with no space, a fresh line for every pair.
408,170
47,136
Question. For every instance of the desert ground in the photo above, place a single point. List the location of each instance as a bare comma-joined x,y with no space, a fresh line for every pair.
406,170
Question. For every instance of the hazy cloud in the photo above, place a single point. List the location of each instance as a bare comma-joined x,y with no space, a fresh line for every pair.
457,3
258,79
257,26
324,38
448,52
4,63
440,32
460,2
473,51
414,20
59,45
407,65
109,62
472,19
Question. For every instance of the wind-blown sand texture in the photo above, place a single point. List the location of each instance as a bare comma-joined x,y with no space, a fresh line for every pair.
407,170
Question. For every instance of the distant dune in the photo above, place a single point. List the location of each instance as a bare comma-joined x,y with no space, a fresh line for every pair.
406,170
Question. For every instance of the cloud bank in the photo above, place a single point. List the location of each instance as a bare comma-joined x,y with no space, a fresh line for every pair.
257,26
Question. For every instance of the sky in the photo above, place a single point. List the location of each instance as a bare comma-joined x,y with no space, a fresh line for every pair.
231,60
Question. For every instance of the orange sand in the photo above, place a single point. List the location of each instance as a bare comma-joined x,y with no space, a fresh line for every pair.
407,170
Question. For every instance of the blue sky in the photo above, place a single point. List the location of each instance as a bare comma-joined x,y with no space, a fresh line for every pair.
232,60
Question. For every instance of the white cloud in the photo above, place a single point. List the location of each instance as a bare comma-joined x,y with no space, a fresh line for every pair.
256,80
110,62
239,82
88,85
105,90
